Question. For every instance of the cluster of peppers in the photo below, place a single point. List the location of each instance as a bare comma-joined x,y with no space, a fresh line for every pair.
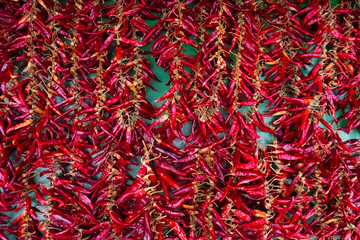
75,119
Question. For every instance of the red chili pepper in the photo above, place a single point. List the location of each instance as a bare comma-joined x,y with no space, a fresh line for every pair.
241,215
168,167
165,190
175,228
305,125
160,120
256,225
227,188
165,211
159,230
167,178
106,44
155,30
138,182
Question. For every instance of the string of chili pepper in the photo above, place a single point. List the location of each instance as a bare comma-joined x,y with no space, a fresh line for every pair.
24,226
208,100
200,188
341,174
270,205
104,158
206,163
256,191
242,176
110,162
175,104
294,209
180,198
274,177
139,85
52,79
192,199
138,97
341,170
10,196
97,103
346,60
321,199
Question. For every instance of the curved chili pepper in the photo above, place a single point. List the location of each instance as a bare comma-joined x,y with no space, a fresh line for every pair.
175,227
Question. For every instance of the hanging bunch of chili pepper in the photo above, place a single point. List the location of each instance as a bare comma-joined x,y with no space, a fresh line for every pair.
75,120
